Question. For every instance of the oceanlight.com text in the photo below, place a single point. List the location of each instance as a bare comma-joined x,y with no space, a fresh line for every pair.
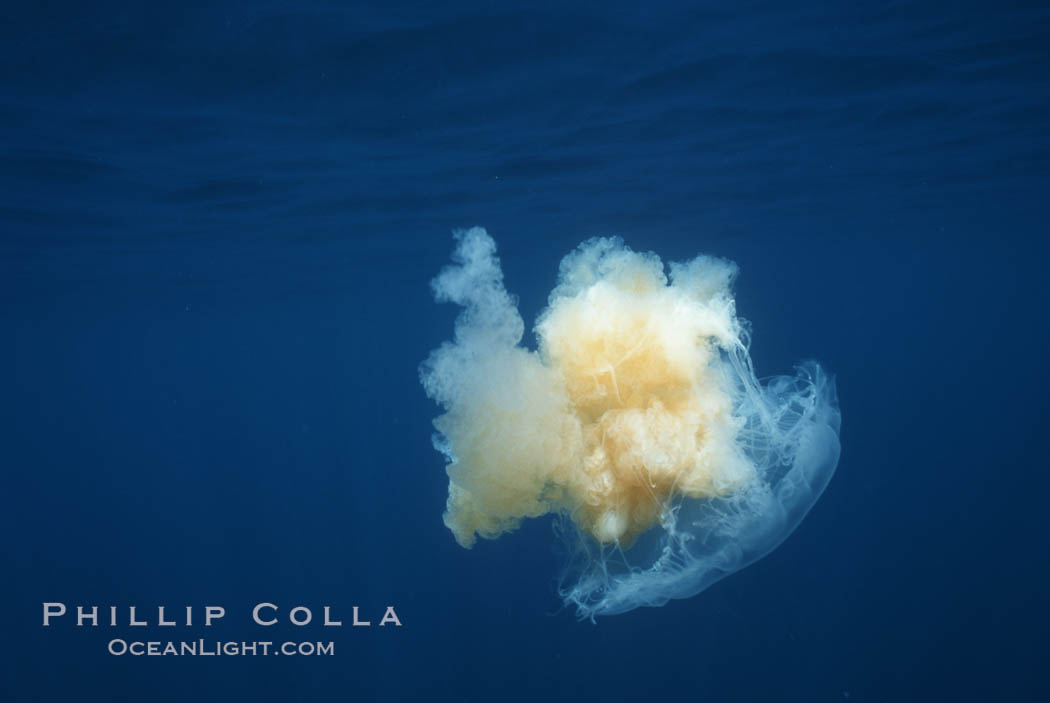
217,648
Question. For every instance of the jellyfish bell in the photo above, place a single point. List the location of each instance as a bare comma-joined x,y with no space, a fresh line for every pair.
638,421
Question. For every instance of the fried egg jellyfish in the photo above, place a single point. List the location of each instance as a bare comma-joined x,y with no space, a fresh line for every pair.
638,422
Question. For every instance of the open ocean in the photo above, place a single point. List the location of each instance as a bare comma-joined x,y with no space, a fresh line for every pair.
218,224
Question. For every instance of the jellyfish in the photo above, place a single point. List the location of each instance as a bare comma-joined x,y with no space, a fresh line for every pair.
637,421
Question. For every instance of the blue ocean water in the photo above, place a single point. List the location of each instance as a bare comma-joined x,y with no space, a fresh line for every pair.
217,226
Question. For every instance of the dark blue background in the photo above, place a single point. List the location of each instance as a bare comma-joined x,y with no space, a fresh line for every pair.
217,225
